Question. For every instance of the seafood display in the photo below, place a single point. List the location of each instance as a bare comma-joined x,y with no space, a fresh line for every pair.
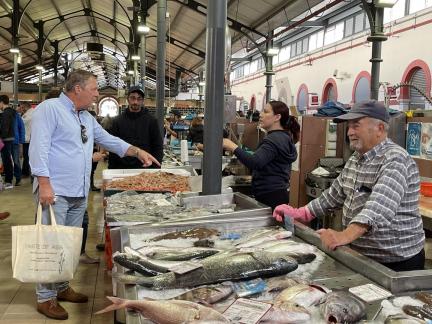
154,181
131,206
342,307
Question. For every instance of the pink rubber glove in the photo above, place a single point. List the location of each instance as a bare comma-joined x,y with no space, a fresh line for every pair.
300,214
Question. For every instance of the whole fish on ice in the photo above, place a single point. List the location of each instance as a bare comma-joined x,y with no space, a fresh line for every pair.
218,268
342,307
302,295
167,311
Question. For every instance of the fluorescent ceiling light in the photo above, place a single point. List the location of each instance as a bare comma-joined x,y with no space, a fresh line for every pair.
39,67
202,84
143,29
130,72
273,51
135,57
14,50
385,3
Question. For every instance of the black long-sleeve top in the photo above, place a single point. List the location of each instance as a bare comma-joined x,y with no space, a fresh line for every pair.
271,162
139,129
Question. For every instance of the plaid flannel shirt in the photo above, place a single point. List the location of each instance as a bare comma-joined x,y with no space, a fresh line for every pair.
380,189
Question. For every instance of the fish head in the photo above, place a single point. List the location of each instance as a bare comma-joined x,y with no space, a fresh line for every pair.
343,308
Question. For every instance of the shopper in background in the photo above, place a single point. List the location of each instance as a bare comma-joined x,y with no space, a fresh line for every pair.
27,113
7,135
17,151
271,162
61,149
378,191
138,127
196,131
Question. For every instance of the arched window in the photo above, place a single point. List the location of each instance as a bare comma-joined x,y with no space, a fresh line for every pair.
361,88
108,106
329,91
418,74
302,98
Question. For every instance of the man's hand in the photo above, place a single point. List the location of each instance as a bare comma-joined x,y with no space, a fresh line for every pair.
98,156
300,214
147,159
331,239
46,193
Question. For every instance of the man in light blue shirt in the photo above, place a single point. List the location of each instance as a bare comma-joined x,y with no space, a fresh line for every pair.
63,133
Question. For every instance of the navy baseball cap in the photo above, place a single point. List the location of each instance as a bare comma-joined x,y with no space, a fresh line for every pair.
136,89
367,108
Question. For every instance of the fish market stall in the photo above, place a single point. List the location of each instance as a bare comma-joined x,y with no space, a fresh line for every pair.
323,270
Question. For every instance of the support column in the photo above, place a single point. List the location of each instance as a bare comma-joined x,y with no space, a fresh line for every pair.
376,18
15,81
40,86
214,97
269,68
160,70
55,44
16,16
143,62
136,81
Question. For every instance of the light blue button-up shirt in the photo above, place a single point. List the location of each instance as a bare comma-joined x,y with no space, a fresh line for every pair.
57,151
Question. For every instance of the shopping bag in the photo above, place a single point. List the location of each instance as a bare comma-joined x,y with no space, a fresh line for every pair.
45,253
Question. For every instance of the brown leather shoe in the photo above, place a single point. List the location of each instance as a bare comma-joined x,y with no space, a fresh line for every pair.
52,309
4,215
71,296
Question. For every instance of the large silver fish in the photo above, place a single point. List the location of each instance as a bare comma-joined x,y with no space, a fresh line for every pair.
286,313
199,233
175,254
167,311
132,262
218,268
342,307
402,319
265,237
283,282
302,295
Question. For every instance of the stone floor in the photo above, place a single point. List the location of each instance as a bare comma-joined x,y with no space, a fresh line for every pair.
18,300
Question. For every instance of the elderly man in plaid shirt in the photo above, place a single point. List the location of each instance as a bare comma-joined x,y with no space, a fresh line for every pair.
378,192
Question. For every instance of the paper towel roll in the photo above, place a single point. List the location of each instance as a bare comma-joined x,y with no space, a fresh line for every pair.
184,152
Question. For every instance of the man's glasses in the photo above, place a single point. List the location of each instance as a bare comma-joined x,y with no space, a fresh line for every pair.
84,137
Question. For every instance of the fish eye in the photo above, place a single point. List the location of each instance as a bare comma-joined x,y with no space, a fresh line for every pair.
345,310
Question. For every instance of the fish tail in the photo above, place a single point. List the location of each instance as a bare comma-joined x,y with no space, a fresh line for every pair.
117,303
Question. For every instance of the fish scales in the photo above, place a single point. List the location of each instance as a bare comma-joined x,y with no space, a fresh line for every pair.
222,268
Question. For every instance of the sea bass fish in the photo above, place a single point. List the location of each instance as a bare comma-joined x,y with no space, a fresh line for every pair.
424,297
218,268
167,311
175,254
265,237
283,282
199,233
302,295
286,313
342,307
132,262
207,294
418,312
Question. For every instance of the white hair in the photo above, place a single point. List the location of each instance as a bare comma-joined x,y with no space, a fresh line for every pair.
376,122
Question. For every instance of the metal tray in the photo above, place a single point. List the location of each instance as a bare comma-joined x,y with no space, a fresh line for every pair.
331,273
246,207
396,282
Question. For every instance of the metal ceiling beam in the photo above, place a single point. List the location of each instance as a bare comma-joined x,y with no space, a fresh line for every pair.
59,14
232,23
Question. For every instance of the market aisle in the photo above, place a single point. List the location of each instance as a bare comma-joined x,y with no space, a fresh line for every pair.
18,301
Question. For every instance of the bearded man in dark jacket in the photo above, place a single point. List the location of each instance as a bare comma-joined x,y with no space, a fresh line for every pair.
137,127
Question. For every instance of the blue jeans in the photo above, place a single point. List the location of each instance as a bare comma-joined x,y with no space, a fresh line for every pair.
16,162
69,211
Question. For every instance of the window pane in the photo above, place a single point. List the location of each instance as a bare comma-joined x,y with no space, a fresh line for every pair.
339,32
398,11
329,35
299,47
349,24
358,23
416,5
305,45
247,69
253,66
284,53
313,41
320,39
293,49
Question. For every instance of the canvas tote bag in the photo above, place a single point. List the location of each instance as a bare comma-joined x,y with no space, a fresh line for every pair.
45,253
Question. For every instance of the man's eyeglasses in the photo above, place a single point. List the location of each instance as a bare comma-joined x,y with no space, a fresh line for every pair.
84,137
